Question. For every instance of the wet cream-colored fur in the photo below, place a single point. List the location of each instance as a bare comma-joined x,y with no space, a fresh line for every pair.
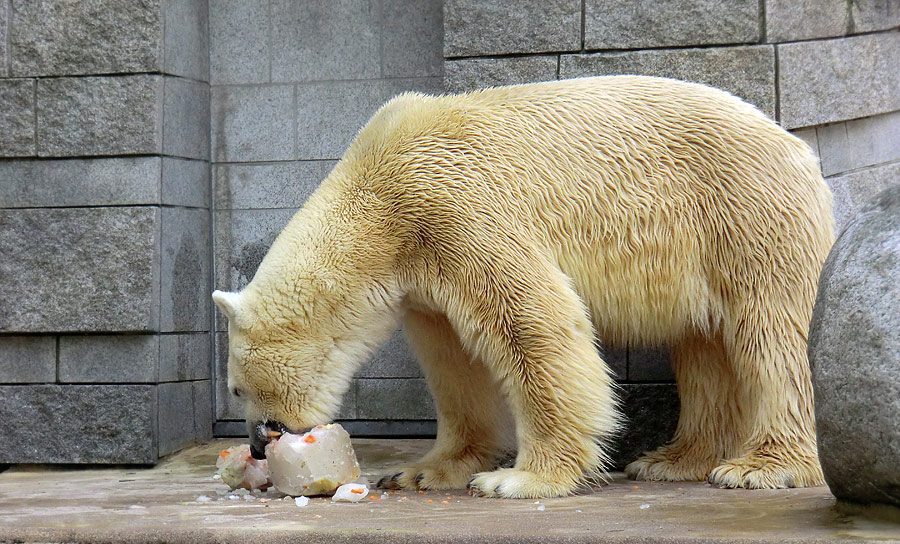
506,228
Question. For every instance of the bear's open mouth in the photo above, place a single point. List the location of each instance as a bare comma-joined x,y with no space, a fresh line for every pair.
261,433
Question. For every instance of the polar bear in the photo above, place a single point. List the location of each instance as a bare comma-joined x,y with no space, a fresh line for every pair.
509,227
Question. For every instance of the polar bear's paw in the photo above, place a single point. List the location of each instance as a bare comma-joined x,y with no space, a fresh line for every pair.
766,470
670,464
443,474
511,483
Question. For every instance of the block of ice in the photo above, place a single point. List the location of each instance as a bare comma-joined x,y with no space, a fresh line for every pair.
350,493
315,463
238,469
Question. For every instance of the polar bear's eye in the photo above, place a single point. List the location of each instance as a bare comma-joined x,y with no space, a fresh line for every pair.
237,391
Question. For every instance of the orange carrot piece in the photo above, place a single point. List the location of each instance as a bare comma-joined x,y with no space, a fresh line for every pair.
309,439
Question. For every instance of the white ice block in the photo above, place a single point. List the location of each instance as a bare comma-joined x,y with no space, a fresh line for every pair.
315,463
239,469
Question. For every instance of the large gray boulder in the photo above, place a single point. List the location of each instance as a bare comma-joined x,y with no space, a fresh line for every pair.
854,351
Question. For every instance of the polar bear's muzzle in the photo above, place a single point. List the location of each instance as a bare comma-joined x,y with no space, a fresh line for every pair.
261,432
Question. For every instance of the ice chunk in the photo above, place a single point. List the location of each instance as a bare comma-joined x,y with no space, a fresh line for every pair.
301,501
350,493
315,463
238,469
203,498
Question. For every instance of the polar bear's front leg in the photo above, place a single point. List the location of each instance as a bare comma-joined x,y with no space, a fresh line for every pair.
472,416
534,333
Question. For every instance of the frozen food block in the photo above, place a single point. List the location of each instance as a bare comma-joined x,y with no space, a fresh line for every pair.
239,469
315,463
350,493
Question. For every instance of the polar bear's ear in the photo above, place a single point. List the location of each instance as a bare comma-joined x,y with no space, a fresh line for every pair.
228,303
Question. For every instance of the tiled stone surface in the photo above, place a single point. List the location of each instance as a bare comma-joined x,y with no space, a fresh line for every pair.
869,15
649,365
243,238
203,410
184,270
80,182
651,412
252,123
27,359
608,24
854,190
238,42
748,72
51,38
99,115
176,416
17,125
809,136
617,360
330,114
791,20
186,119
493,27
78,424
186,41
859,143
184,357
268,185
185,182
411,34
394,399
834,80
394,359
79,269
469,74
324,39
4,18
128,358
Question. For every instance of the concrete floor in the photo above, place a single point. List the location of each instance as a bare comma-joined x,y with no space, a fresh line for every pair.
38,504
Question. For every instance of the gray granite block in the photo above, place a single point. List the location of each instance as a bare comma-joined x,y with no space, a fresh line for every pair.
651,414
184,270
859,143
649,365
792,20
650,23
4,18
185,182
80,182
324,39
853,191
242,239
748,72
389,398
412,38
79,269
176,416
203,410
238,42
27,359
99,115
186,118
859,79
809,136
469,74
394,359
495,27
184,357
122,358
17,123
330,114
78,424
252,123
52,38
616,360
870,15
186,41
268,185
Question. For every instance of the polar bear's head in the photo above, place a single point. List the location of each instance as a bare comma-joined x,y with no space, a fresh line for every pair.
290,363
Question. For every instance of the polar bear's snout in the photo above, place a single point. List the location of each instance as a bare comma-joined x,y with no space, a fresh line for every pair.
261,432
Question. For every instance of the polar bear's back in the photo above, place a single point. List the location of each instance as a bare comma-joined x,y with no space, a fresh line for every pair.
664,201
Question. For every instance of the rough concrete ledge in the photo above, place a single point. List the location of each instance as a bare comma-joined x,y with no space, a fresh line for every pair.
130,505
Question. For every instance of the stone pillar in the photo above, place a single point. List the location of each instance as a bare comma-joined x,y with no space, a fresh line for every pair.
104,230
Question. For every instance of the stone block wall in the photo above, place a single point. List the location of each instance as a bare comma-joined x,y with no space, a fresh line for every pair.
104,230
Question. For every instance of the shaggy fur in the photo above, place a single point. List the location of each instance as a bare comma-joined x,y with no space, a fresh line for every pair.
506,228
